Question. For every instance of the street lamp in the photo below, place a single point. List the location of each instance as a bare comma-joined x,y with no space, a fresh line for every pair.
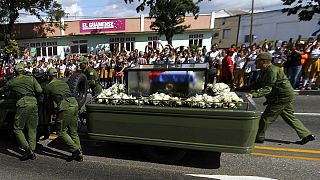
251,23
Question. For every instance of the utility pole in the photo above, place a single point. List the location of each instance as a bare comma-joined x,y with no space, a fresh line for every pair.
251,23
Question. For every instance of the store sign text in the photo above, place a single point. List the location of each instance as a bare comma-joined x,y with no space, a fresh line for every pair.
92,26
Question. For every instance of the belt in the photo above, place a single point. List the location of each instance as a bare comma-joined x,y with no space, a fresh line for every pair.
59,98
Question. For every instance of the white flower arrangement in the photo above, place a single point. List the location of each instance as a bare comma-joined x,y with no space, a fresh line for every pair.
218,88
222,98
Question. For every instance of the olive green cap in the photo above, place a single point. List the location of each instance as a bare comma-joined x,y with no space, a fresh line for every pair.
19,67
52,72
83,60
264,56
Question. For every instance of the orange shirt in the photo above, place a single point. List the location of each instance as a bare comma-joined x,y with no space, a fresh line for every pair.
304,58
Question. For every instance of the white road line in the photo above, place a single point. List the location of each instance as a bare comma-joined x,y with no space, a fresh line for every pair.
308,114
227,177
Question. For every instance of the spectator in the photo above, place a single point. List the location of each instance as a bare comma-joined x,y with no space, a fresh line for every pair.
227,67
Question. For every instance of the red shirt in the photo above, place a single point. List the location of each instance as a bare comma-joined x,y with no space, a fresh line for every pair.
227,63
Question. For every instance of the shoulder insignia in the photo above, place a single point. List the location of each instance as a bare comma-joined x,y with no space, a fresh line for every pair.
91,73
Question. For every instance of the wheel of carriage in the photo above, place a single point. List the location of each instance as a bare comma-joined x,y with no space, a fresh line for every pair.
79,87
166,155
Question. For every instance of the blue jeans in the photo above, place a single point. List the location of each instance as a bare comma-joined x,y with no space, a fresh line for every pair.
293,75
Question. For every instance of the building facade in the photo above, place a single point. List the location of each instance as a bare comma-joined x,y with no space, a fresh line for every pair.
225,32
91,35
275,25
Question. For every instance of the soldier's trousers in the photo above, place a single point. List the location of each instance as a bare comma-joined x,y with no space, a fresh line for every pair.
285,110
26,116
67,122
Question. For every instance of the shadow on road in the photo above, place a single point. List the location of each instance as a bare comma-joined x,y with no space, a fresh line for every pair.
279,141
10,148
57,149
127,151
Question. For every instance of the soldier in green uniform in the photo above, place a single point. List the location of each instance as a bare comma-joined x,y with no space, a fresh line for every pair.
25,88
92,76
275,86
67,113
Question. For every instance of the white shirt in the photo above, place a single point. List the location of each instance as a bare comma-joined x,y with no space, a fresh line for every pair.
62,68
315,53
239,62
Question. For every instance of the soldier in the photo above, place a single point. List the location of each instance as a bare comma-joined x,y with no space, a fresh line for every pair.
92,76
25,88
67,113
275,86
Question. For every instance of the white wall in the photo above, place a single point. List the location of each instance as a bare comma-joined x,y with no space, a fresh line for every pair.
275,25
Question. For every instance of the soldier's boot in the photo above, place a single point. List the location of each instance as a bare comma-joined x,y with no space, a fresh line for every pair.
29,154
76,155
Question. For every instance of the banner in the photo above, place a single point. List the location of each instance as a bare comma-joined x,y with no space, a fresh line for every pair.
101,25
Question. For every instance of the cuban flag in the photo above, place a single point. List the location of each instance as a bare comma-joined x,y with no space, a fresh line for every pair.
172,76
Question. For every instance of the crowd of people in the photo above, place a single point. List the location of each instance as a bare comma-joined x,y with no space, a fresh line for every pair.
234,66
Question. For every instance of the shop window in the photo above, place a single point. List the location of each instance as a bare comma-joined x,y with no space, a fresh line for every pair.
43,49
152,40
247,38
120,44
196,39
77,47
226,33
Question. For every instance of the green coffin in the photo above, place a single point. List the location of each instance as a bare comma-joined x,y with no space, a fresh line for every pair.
220,130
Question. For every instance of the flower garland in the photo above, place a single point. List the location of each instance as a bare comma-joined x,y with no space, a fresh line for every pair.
221,98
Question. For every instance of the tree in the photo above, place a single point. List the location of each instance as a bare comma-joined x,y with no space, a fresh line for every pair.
169,15
306,9
12,48
10,11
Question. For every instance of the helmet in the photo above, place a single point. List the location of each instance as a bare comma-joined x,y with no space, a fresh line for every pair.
19,67
52,72
83,60
264,56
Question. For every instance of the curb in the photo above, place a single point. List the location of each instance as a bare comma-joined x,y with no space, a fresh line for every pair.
307,92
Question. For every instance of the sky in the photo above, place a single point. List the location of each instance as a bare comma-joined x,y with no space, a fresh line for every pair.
118,8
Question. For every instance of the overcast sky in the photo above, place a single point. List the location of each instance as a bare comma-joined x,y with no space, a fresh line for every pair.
118,8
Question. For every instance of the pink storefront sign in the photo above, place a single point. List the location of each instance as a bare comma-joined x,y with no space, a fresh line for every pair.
101,25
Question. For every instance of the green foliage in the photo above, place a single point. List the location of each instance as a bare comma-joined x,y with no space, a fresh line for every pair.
169,15
194,48
10,11
12,47
305,9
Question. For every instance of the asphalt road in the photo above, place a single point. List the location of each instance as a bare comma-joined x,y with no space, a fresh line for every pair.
279,157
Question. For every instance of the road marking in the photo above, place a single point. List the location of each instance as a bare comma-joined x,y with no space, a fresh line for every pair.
287,149
227,177
307,114
285,157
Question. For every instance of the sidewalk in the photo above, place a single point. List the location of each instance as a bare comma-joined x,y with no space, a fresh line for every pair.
307,92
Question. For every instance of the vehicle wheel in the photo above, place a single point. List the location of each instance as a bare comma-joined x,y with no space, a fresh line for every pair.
166,155
78,86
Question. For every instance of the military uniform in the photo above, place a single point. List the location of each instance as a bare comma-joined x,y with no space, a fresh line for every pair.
93,78
275,86
67,112
25,89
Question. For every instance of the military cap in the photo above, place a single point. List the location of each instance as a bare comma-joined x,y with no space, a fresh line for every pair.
264,56
19,67
83,60
52,72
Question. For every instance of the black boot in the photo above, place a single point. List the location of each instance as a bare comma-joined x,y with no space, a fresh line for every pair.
76,155
29,154
306,139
